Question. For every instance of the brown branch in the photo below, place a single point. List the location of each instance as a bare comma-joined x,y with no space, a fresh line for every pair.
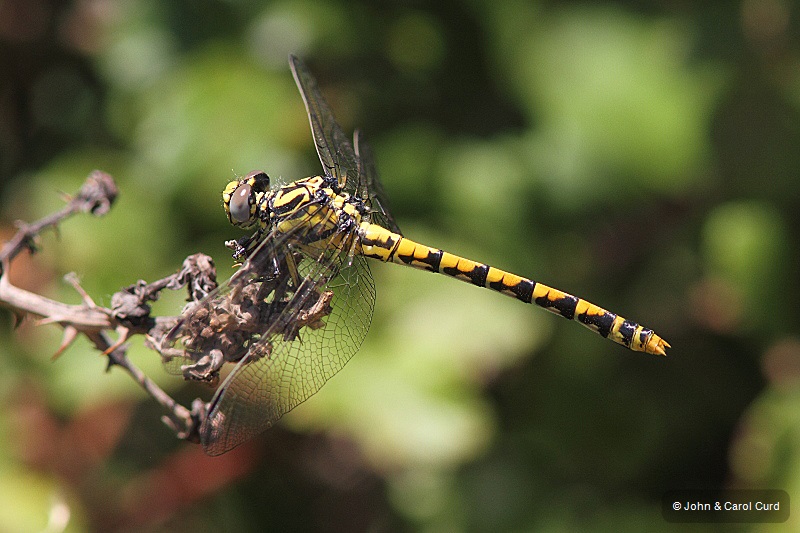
130,311
96,196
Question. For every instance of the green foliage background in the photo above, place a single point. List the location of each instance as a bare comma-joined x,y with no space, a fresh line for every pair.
641,154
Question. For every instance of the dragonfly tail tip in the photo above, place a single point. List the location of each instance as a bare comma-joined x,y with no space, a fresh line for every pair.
661,348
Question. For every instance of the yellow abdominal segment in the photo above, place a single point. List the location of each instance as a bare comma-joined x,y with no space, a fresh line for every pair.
380,243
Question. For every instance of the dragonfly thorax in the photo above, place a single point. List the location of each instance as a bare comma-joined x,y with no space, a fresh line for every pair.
310,209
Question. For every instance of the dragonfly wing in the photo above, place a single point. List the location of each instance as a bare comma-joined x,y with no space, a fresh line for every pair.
300,351
333,147
371,189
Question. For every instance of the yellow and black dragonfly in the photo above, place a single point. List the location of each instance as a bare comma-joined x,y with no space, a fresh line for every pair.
301,302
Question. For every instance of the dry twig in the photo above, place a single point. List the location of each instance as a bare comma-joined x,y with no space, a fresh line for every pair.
129,313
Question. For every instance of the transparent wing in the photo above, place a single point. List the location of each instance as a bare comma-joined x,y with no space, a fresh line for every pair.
293,366
333,147
290,318
370,188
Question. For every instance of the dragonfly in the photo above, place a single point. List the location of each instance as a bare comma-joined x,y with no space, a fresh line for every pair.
301,302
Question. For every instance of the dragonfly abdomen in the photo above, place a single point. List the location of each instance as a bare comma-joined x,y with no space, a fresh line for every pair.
380,243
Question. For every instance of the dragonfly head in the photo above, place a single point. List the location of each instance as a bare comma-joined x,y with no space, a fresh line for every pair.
242,198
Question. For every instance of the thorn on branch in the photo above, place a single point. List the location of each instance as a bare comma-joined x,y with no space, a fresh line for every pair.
70,334
72,279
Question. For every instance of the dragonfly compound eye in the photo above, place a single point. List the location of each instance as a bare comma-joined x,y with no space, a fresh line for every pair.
240,203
